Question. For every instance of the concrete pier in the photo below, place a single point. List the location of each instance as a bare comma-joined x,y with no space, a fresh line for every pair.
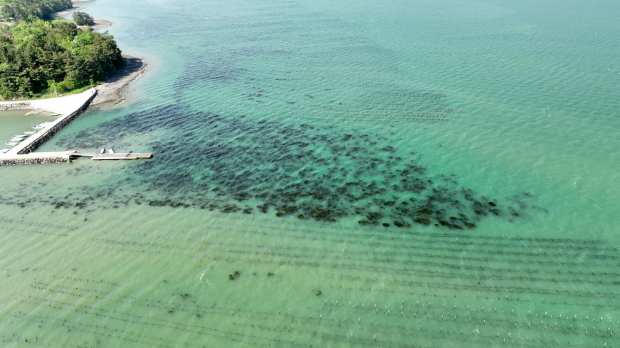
69,108
121,156
67,157
36,158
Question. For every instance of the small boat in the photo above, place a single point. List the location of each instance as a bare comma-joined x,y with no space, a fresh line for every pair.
20,136
4,150
42,125
17,139
30,133
11,143
55,115
111,151
102,150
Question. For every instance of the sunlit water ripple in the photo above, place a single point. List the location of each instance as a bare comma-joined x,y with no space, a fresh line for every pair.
345,174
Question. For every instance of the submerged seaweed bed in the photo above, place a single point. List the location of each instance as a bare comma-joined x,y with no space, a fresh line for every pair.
235,164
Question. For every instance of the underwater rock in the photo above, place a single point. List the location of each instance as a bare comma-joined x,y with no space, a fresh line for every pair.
311,172
230,208
422,221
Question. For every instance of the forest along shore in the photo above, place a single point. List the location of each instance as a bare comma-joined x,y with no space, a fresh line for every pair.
99,23
66,12
110,90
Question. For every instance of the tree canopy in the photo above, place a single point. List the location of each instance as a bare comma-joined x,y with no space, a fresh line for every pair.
33,10
42,56
83,18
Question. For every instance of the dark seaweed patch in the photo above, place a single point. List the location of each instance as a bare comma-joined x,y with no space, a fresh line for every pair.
221,163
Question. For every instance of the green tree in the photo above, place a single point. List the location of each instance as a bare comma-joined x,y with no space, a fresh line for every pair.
83,18
41,57
33,10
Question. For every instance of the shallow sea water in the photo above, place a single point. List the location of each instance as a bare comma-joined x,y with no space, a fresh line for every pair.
16,123
286,136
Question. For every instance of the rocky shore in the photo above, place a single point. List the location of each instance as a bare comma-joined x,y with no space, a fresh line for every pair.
110,91
101,24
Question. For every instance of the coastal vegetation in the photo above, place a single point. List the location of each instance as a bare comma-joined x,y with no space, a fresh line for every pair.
83,18
33,10
43,57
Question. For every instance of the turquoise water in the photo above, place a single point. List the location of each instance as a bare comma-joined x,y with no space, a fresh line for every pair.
450,165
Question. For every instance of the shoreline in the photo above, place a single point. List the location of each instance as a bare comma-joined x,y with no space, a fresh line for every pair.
72,9
111,89
70,107
101,24
67,11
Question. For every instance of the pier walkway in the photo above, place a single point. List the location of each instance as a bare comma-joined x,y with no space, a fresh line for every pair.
69,108
113,156
66,157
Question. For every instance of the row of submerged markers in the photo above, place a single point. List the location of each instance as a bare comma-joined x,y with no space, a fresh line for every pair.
77,284
490,317
437,322
579,270
559,277
451,267
503,252
382,233
429,295
415,247
444,313
603,260
275,257
318,228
